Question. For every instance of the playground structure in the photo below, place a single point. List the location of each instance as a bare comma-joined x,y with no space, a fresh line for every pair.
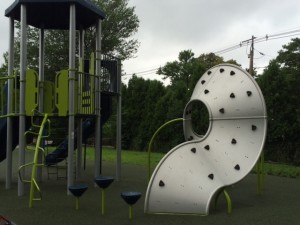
83,94
186,179
192,173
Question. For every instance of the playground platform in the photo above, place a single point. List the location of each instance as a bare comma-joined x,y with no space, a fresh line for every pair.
278,205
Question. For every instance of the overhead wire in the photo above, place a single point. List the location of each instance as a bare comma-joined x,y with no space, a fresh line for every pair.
284,34
260,39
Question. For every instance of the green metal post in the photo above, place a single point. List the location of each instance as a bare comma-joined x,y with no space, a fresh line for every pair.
228,200
130,212
260,174
103,202
35,162
77,203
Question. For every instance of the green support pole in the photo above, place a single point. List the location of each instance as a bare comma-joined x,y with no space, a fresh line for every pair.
130,212
260,174
33,183
103,202
228,200
262,157
77,203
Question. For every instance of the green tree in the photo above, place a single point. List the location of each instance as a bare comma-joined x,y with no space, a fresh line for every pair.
120,25
190,69
168,107
181,70
280,86
139,98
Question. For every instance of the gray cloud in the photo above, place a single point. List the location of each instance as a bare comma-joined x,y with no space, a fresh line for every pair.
170,26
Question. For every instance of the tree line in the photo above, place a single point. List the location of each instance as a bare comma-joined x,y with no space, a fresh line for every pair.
147,104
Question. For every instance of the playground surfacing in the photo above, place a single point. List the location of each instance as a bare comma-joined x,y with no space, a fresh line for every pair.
279,204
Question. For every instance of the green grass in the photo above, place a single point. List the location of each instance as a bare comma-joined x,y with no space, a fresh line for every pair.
282,170
128,157
141,158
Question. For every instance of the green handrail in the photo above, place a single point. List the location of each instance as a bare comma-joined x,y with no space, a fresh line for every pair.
152,139
227,197
35,164
35,161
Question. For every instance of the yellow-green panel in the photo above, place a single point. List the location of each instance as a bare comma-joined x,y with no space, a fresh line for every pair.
87,84
2,97
31,93
92,64
62,92
48,96
76,95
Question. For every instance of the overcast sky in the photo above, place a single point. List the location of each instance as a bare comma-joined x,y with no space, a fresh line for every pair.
170,26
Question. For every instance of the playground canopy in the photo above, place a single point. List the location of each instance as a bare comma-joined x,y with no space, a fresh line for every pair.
54,14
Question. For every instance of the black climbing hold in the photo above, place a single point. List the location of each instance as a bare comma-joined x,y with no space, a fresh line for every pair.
222,70
193,150
161,183
222,110
254,127
190,138
237,167
211,176
232,73
202,81
232,95
206,91
207,147
249,93
233,141
209,72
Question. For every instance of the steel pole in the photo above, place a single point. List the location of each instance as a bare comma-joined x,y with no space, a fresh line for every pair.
72,37
9,105
98,100
119,126
41,91
79,121
23,59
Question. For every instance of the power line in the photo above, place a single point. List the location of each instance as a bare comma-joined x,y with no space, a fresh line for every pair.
285,34
258,40
145,72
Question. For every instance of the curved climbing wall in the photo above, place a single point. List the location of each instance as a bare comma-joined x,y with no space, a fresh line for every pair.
187,178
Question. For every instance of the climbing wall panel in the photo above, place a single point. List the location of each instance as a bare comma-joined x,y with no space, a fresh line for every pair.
187,178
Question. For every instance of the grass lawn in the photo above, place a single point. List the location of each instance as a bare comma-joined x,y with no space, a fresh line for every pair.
141,158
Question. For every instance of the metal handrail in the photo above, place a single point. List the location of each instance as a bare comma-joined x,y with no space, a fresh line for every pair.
33,183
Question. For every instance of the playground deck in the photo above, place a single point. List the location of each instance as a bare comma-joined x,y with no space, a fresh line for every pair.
279,204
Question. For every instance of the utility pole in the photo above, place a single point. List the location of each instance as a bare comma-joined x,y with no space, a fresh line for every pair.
251,54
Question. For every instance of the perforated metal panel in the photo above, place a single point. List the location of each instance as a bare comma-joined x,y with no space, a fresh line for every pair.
187,178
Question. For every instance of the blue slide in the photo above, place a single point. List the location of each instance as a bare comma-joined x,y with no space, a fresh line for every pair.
61,152
88,128
3,129
15,136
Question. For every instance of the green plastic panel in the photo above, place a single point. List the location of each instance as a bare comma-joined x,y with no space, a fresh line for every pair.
31,94
2,97
62,92
48,97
